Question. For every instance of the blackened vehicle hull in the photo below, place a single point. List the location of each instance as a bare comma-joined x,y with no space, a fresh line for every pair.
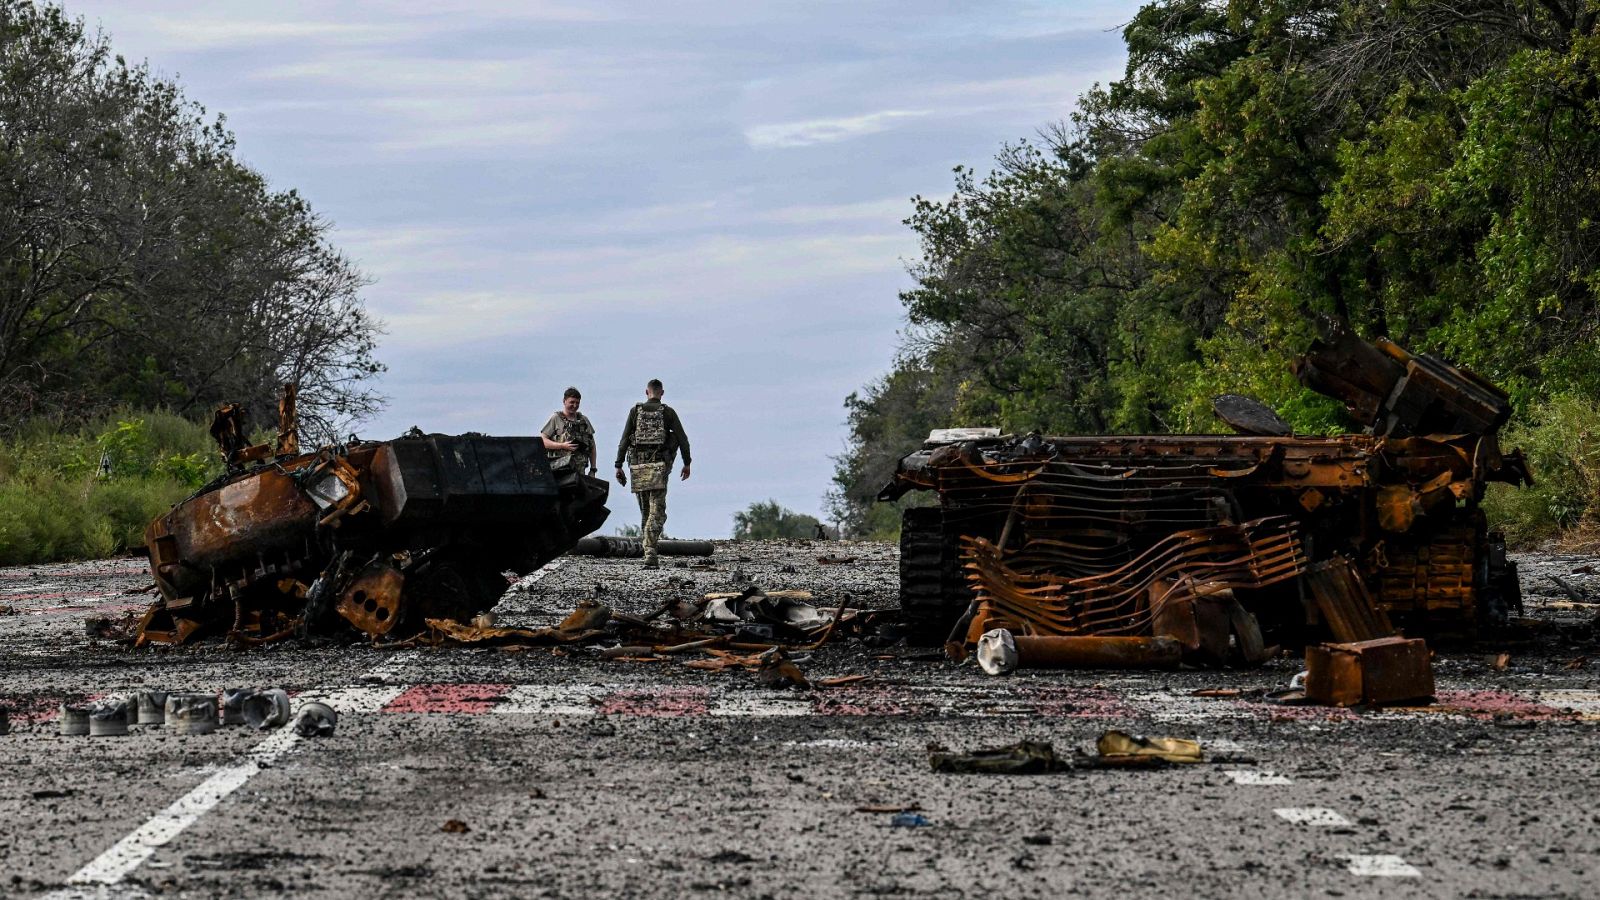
382,534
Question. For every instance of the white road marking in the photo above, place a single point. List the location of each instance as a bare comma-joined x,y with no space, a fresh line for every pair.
1312,815
31,589
389,672
1585,703
747,704
112,866
1381,866
1166,706
1255,776
551,699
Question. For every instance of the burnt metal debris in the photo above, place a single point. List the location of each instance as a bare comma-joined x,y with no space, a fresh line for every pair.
378,535
633,548
1233,545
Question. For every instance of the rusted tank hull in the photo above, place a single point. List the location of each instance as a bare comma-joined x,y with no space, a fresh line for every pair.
1095,535
373,534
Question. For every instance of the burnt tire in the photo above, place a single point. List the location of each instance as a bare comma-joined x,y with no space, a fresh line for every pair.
933,594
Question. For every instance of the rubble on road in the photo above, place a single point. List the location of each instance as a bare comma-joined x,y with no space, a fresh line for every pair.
1113,750
1021,758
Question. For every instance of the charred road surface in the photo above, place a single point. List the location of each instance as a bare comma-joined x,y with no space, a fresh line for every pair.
540,772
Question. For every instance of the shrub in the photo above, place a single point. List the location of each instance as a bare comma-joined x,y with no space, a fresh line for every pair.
1561,437
55,505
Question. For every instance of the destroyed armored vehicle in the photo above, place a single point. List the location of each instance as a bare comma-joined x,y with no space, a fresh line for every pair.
1230,544
378,535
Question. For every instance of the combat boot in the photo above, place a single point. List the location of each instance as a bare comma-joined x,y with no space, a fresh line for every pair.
652,561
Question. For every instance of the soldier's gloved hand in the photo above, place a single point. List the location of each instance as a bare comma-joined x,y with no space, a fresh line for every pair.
622,477
684,475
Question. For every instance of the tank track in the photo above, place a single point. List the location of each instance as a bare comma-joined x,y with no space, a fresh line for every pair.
933,593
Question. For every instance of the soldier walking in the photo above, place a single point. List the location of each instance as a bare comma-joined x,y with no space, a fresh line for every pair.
651,441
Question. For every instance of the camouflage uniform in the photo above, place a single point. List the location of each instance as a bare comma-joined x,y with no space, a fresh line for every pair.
651,441
577,430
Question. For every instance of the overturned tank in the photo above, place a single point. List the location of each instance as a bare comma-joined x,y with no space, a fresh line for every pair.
1231,545
375,535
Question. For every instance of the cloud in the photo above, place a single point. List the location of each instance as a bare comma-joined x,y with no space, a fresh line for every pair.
200,33
825,131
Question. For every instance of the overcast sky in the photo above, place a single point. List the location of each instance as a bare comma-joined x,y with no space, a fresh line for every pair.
596,193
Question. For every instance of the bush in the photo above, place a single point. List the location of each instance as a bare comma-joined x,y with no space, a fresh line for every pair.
1561,437
56,505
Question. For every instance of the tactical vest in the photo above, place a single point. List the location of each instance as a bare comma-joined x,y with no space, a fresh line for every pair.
650,427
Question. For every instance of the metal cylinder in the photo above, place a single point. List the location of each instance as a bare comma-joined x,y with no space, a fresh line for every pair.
266,709
109,719
192,713
152,707
233,704
1050,652
74,719
633,548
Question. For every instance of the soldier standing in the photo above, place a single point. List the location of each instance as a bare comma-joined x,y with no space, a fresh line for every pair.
568,426
651,441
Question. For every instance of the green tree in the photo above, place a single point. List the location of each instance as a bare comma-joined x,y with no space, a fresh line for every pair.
1422,170
141,263
767,520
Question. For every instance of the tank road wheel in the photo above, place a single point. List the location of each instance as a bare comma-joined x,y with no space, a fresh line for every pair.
933,594
451,589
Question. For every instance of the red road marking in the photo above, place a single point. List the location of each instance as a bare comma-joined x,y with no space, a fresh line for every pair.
38,710
448,698
1489,704
657,702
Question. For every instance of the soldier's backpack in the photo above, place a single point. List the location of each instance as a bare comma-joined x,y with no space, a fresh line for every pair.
650,427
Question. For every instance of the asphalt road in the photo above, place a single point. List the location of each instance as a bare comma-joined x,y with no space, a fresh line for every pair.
572,776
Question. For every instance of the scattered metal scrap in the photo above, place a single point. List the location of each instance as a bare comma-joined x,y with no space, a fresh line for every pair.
633,548
1231,545
380,534
1113,750
767,633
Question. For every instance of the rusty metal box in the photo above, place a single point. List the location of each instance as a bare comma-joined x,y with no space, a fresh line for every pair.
1373,673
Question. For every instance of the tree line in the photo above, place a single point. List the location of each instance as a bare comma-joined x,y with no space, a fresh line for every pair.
142,264
1426,170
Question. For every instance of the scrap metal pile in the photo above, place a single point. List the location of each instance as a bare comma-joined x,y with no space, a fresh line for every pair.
1213,549
376,535
766,632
